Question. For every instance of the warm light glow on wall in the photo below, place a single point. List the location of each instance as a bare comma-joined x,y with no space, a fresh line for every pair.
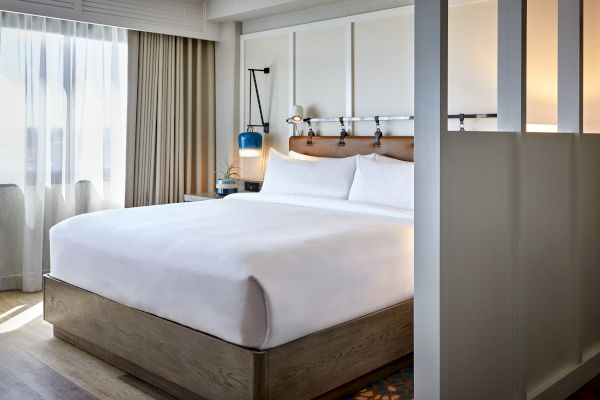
591,66
542,128
542,62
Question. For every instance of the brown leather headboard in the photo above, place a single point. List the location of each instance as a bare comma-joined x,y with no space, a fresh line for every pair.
399,147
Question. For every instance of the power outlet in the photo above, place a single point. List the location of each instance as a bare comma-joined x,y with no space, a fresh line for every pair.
250,186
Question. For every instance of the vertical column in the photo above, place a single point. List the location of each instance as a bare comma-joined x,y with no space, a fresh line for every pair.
570,120
350,72
512,117
291,75
227,87
570,66
512,32
132,93
431,122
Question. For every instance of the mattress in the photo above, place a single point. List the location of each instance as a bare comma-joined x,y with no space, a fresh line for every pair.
255,270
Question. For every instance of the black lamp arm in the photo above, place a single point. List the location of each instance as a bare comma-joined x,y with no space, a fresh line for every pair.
264,125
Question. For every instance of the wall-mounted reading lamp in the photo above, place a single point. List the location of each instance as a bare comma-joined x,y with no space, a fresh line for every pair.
250,143
296,117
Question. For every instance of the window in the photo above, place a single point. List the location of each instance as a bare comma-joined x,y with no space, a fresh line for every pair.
63,102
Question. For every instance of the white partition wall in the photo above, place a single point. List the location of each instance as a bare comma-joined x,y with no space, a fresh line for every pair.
431,110
519,226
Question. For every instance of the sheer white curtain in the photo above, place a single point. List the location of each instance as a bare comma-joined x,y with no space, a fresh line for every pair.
63,102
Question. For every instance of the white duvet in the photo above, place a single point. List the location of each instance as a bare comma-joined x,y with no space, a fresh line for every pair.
256,270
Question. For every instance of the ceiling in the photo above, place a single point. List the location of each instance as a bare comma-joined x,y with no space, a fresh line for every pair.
245,10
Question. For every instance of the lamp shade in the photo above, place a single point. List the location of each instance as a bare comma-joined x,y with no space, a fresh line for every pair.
297,114
250,144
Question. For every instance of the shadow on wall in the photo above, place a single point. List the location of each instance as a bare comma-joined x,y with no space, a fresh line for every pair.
13,223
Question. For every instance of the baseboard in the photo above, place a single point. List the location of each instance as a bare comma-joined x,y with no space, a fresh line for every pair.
12,282
565,383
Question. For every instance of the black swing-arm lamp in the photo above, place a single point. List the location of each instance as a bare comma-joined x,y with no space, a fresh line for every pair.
250,142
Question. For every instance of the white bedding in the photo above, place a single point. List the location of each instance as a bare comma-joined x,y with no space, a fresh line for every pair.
256,270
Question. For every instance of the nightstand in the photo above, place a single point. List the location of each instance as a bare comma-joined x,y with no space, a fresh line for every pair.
201,196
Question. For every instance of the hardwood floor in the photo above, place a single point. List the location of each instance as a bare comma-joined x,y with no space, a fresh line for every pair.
36,365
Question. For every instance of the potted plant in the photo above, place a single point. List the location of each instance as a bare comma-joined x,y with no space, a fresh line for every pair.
228,183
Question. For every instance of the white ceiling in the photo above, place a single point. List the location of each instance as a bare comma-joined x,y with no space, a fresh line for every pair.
244,10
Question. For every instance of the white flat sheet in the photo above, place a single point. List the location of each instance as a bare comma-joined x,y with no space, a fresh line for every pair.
255,270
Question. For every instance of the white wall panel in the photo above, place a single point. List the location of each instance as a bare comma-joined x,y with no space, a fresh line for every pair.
547,230
373,64
477,204
321,75
260,53
384,72
590,291
480,177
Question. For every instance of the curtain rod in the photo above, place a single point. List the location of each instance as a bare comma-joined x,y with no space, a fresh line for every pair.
390,118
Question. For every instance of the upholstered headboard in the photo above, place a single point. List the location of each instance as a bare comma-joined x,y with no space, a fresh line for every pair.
399,147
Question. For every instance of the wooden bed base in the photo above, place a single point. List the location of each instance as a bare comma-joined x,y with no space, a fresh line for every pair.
193,365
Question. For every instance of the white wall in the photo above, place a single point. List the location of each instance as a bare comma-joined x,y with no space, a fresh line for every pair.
272,52
363,65
487,178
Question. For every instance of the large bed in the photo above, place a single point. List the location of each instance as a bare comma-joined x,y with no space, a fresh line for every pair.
256,296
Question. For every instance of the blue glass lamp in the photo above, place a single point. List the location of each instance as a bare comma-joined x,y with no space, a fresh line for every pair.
250,144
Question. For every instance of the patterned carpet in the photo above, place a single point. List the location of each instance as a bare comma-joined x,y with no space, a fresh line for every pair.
591,390
398,386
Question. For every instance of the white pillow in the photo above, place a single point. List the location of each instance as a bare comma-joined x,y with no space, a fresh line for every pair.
300,156
328,177
379,157
384,183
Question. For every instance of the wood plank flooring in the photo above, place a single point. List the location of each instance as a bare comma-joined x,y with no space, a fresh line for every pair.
35,365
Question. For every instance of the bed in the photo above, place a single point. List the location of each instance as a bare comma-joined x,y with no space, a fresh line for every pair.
257,296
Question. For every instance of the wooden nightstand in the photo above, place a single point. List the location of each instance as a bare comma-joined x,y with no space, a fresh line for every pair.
201,196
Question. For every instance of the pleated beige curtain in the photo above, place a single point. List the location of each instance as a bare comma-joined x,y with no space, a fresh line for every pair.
171,118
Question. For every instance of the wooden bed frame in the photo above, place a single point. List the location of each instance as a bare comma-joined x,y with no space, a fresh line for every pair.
193,365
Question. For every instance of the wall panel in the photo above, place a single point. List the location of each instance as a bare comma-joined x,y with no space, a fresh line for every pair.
321,75
546,209
590,290
380,67
477,204
384,72
264,52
